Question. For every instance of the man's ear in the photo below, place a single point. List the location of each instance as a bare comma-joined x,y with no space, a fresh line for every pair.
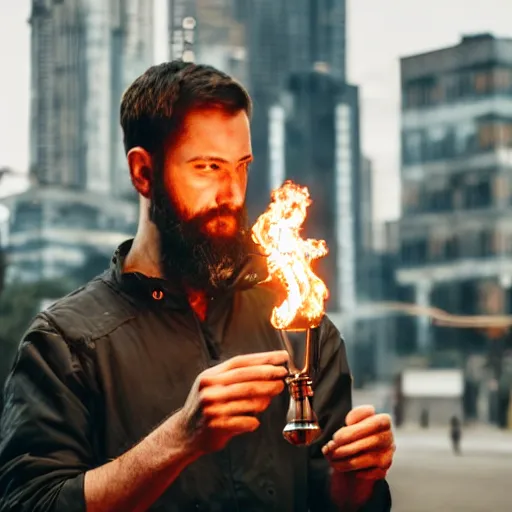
140,163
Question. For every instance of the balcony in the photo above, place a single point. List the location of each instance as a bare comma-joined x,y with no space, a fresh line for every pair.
497,159
456,269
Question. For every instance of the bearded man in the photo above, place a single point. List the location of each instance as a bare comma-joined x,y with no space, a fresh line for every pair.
160,384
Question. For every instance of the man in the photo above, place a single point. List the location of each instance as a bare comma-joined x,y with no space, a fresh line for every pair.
4,346
159,385
455,434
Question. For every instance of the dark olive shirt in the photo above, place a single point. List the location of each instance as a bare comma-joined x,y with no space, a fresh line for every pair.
104,366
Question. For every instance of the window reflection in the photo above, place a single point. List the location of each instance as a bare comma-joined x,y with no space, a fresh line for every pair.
452,87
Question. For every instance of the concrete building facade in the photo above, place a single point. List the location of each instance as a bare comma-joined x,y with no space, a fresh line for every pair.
285,38
208,32
456,225
56,232
84,53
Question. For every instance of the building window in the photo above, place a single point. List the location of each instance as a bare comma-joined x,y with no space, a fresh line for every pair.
495,134
423,92
500,188
434,90
502,79
411,197
497,242
411,152
477,192
437,244
507,243
464,138
437,143
465,82
490,81
414,252
487,136
483,82
451,87
452,248
505,134
486,243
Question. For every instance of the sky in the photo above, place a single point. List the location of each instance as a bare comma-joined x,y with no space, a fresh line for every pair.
379,33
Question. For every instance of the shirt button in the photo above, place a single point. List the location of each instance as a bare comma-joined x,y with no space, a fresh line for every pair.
158,294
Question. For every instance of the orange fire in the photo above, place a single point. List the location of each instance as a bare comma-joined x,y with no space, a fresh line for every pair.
289,258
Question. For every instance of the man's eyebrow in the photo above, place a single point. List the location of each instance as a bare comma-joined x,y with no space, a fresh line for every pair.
210,158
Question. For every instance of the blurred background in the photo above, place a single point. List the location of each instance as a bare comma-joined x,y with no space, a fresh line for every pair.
396,115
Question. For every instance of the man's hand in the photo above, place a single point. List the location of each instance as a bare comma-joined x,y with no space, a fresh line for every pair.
225,399
365,446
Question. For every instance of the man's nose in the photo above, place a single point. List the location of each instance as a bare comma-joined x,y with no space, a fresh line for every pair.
233,191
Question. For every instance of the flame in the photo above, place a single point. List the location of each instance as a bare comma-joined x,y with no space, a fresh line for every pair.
289,257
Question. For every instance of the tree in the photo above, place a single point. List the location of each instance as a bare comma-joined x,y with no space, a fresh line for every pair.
3,267
19,303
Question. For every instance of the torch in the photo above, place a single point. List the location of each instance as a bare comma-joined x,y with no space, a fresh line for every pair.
302,307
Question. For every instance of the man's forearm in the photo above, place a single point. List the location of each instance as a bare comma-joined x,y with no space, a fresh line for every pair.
134,481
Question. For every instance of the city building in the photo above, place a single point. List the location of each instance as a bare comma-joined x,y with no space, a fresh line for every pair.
208,32
367,204
305,123
456,225
284,38
83,56
56,233
314,141
4,227
305,127
81,202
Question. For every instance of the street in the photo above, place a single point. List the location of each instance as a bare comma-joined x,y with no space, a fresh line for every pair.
427,477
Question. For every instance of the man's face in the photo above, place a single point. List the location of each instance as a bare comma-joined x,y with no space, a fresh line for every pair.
206,170
198,202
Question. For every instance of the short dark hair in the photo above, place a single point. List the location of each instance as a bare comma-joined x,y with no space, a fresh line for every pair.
154,105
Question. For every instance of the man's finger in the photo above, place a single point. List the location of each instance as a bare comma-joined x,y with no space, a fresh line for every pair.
365,428
236,424
377,460
241,391
376,442
360,413
275,357
266,372
236,408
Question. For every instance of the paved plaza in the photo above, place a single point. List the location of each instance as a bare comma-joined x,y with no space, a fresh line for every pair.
428,477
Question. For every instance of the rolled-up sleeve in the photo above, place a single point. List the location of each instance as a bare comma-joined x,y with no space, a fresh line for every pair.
45,441
332,402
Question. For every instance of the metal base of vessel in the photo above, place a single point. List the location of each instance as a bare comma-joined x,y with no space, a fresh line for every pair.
302,426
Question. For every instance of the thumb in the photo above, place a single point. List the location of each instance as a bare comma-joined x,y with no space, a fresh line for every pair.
360,413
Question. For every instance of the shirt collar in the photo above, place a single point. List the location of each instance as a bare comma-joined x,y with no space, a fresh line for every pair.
252,273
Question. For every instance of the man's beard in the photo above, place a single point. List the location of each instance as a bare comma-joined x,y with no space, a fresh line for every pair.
199,260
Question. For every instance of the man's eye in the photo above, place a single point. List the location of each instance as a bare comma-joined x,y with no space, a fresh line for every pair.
207,167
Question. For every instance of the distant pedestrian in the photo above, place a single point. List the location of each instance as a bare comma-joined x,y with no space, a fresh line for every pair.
455,434
424,418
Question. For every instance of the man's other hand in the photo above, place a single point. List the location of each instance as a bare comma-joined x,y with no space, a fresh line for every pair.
364,446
